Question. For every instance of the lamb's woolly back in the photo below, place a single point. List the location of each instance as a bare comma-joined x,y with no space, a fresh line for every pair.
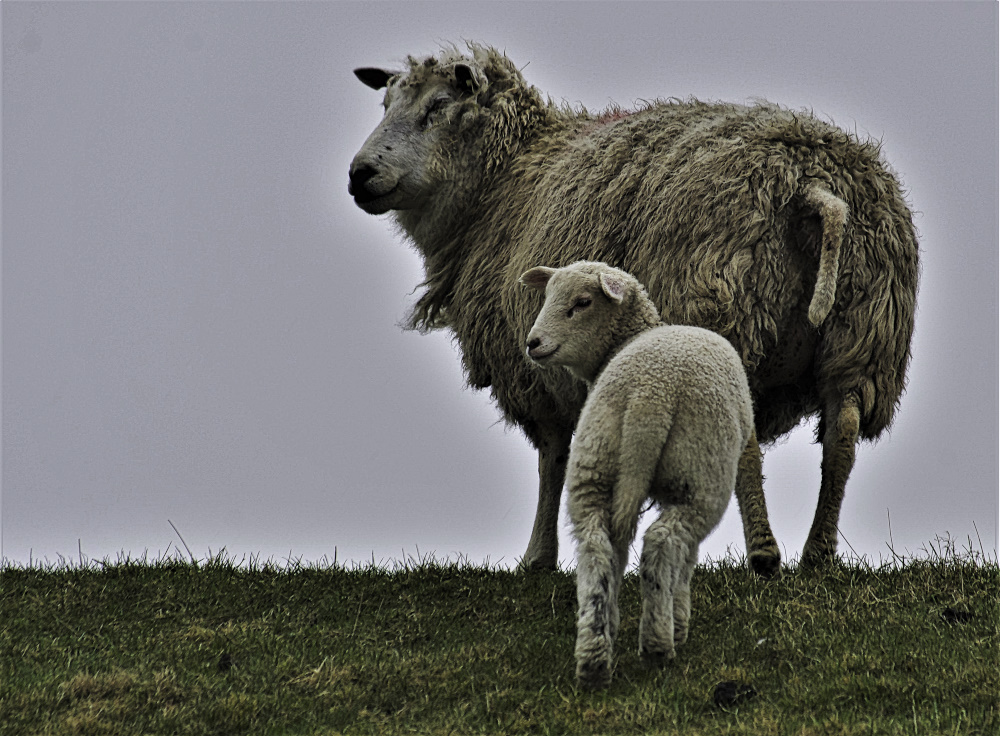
697,368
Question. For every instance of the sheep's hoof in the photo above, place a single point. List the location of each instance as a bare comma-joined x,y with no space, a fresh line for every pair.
591,675
655,660
956,616
730,694
817,559
765,563
537,565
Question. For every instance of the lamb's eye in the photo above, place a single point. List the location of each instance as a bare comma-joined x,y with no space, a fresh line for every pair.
580,304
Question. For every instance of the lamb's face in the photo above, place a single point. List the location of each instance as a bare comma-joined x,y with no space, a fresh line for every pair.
405,159
575,327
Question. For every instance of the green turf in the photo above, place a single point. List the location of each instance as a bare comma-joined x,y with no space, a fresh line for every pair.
171,647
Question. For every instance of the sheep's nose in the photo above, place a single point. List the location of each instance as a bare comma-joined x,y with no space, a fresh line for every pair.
358,177
534,343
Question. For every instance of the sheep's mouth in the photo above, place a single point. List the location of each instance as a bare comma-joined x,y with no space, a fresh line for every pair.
371,202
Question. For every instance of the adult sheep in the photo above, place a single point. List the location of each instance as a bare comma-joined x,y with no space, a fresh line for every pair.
786,235
667,418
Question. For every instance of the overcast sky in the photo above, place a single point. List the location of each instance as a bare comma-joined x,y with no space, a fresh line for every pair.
200,326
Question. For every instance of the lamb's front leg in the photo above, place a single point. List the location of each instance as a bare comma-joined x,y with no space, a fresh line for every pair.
553,451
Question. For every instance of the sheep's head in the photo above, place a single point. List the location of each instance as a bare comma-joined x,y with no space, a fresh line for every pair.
590,309
434,141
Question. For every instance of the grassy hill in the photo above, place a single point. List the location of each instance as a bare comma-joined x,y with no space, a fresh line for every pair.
172,647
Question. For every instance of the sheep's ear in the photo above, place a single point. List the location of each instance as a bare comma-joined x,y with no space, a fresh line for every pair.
537,277
374,78
614,286
469,79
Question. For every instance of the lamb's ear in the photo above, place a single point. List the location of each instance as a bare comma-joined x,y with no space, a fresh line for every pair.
537,277
469,79
614,286
374,78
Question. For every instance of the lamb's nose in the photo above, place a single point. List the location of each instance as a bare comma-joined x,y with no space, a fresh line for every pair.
357,178
534,343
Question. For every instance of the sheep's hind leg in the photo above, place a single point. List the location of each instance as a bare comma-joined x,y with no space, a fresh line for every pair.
843,421
553,452
762,549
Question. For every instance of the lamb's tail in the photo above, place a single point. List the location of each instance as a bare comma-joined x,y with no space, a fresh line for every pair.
626,506
642,443
833,212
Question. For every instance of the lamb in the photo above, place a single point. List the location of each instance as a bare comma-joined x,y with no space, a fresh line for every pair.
667,417
786,235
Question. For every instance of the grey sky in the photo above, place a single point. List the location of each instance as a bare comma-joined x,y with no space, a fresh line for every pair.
199,325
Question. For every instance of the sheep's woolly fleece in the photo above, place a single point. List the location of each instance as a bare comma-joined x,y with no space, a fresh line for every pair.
728,213
717,186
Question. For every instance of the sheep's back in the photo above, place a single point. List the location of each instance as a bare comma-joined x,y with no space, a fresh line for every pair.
701,202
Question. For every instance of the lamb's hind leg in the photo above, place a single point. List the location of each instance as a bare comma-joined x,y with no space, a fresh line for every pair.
666,549
762,550
553,451
842,420
598,575
682,599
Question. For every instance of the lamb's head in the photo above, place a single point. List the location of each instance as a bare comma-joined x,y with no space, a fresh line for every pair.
436,139
590,310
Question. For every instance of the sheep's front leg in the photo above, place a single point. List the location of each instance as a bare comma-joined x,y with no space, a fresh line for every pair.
843,421
553,451
762,550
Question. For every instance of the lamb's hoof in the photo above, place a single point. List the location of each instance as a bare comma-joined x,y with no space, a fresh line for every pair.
593,675
765,563
729,694
680,639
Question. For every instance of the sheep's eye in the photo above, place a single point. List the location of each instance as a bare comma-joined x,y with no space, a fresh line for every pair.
580,304
435,107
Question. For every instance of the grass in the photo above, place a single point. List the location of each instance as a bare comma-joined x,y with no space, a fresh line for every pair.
175,647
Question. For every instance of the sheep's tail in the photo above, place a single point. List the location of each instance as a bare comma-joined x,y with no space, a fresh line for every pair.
833,212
